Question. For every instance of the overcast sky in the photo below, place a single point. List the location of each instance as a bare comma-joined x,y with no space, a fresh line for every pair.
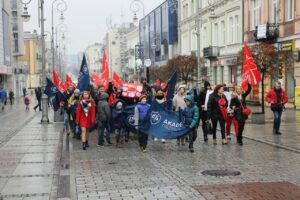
87,19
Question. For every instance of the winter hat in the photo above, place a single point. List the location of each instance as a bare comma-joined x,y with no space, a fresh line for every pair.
206,84
119,105
77,91
143,96
181,86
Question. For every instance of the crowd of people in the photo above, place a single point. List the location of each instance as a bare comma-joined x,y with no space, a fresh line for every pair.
208,107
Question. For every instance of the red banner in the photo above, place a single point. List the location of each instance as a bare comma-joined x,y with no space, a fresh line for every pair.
57,82
132,90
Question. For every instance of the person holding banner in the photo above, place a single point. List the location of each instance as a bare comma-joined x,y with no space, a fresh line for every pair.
217,112
277,98
160,98
85,116
140,113
191,115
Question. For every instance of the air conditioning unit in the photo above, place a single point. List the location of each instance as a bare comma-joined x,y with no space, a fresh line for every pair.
211,52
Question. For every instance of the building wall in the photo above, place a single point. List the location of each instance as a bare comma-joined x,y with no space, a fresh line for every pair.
94,57
132,39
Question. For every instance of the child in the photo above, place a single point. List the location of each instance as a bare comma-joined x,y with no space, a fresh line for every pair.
118,123
103,118
85,116
191,114
26,102
140,113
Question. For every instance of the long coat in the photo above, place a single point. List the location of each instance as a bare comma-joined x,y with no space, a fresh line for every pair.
81,119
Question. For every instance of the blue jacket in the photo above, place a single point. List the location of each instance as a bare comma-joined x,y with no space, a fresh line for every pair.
191,112
141,110
118,117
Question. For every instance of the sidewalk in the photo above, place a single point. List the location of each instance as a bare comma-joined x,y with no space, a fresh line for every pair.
30,160
290,128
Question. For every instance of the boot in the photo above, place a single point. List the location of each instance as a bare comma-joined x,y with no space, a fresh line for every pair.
121,144
87,144
191,148
224,141
214,141
84,146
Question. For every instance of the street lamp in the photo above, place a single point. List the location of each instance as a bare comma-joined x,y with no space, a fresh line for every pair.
137,6
26,17
60,7
60,28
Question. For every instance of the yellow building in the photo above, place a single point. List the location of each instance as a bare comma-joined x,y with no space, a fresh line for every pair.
32,59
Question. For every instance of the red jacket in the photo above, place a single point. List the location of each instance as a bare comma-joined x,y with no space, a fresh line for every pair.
271,97
81,119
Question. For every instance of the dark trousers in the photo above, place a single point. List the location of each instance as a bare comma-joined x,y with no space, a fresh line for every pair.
193,136
143,139
214,128
203,115
241,125
38,105
101,133
277,120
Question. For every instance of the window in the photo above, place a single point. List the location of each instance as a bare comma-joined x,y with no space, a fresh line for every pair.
192,7
204,37
237,31
216,31
289,4
223,33
256,13
273,11
231,30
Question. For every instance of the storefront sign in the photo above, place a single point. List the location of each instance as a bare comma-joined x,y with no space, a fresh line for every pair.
297,96
286,46
228,61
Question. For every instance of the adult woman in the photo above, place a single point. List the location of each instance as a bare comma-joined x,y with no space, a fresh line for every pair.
85,116
277,98
217,111
237,104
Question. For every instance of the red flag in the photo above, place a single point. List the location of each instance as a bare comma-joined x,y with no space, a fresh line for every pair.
250,71
69,82
117,81
57,82
105,72
157,82
163,87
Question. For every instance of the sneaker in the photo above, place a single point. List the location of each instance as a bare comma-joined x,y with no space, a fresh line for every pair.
205,139
163,141
100,145
144,150
155,139
278,133
192,150
228,137
109,144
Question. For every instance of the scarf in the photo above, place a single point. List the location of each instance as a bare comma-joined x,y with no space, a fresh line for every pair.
86,106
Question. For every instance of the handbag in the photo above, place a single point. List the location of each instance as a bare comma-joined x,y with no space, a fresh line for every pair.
246,111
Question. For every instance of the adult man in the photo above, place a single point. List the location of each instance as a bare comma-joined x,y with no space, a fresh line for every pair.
277,97
147,88
194,92
24,91
38,95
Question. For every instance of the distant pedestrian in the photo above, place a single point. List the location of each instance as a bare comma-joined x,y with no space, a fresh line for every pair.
277,98
85,116
38,95
103,119
27,102
2,98
24,91
140,112
191,114
118,119
11,97
217,112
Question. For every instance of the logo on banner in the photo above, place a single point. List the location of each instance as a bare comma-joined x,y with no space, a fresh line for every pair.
85,70
171,125
54,90
130,120
155,118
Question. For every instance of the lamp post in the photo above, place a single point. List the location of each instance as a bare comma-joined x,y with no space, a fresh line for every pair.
61,7
60,28
26,17
137,6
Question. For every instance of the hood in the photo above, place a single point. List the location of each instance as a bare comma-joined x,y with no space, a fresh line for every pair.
190,98
103,96
120,100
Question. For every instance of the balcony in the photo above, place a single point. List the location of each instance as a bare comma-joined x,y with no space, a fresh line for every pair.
267,33
211,52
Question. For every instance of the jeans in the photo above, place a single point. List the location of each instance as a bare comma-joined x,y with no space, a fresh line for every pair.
214,128
277,120
143,140
193,136
101,133
66,120
119,132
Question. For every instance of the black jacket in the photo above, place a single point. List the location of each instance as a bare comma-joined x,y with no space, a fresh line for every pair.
201,98
213,109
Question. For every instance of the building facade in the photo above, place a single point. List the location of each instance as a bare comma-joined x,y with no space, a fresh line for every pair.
32,59
6,71
285,16
132,40
94,57
158,32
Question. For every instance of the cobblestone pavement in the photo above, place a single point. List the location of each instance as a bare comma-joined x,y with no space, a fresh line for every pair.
290,127
29,156
168,171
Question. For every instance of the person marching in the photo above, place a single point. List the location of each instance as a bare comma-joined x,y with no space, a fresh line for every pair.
179,103
85,116
230,112
140,113
217,112
160,98
73,103
103,119
237,104
202,105
191,114
277,97
118,119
